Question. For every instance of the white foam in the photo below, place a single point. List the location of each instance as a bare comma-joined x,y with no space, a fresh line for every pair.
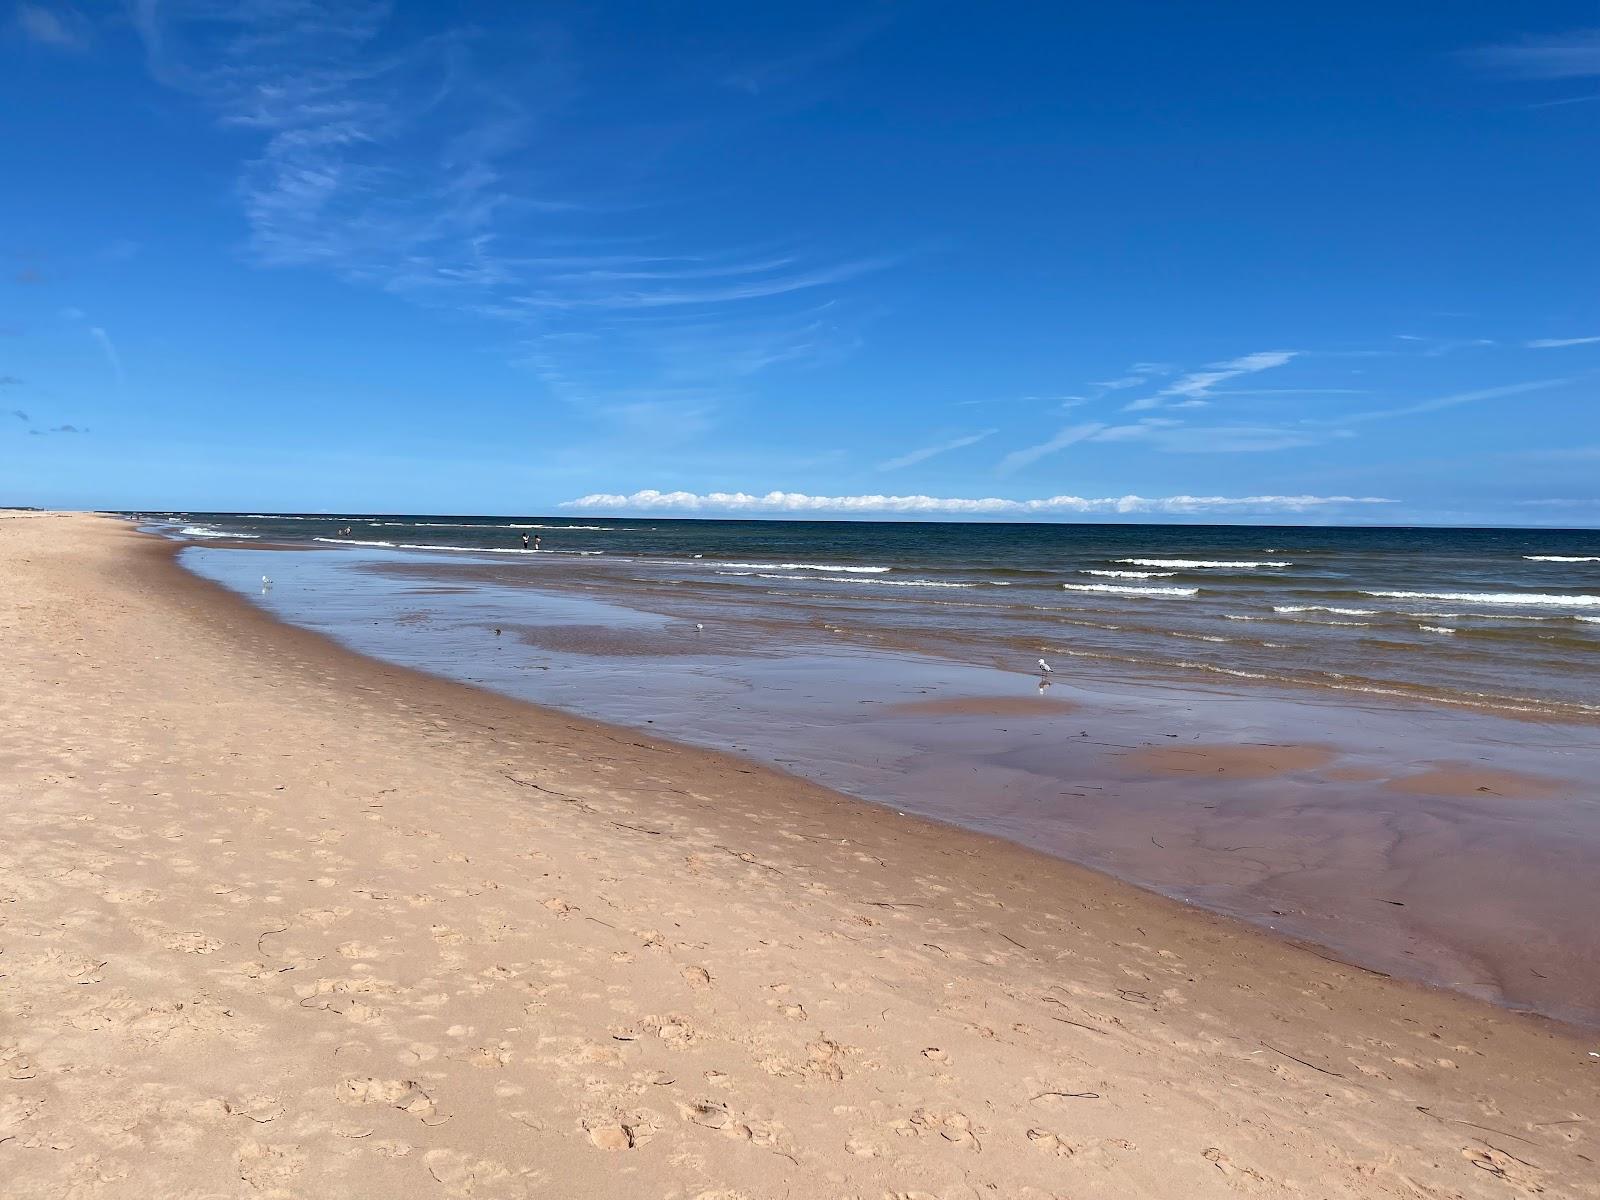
475,525
205,531
1129,574
1578,601
1453,616
1224,670
459,549
353,542
1343,612
1198,563
1113,589
1561,558
807,567
922,583
1435,629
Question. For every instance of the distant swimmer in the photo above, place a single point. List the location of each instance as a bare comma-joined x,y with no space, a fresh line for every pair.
536,541
524,541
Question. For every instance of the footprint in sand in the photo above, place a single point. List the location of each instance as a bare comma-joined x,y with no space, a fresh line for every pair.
490,1057
608,1135
953,1127
1521,1175
1227,1166
1049,1143
266,1167
740,1127
824,1061
405,1094
461,1174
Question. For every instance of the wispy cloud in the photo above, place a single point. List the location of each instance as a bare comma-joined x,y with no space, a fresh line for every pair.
829,46
794,502
20,415
59,25
927,452
1198,385
10,381
112,357
429,169
1439,347
57,429
1558,343
1029,455
1449,401
1571,55
1176,437
1072,400
1562,454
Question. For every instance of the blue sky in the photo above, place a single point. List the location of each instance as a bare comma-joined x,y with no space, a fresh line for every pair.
1050,261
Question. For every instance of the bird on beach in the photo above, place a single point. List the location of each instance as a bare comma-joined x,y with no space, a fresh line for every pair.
1044,666
698,627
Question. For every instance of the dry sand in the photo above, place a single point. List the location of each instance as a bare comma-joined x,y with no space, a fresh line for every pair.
276,920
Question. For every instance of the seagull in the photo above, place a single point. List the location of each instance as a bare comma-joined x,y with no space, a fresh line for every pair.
698,627
265,582
1044,666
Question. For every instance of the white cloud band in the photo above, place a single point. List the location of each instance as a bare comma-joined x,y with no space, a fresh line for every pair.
650,500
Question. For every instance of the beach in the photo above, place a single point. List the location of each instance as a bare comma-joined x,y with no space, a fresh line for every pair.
283,920
1435,835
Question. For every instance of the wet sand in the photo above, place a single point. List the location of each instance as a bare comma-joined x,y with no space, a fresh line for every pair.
985,706
1232,762
283,921
1319,818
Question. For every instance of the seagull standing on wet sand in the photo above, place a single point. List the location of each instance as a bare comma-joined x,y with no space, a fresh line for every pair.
1044,666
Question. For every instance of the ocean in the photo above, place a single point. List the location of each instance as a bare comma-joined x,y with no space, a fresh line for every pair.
1503,619
1380,741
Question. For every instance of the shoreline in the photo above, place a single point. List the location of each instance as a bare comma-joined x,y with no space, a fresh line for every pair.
599,954
1350,614
1311,841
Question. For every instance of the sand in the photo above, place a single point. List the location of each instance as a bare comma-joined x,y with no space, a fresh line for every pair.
985,706
1232,762
276,920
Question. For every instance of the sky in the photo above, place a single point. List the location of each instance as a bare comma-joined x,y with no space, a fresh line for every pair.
1024,261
